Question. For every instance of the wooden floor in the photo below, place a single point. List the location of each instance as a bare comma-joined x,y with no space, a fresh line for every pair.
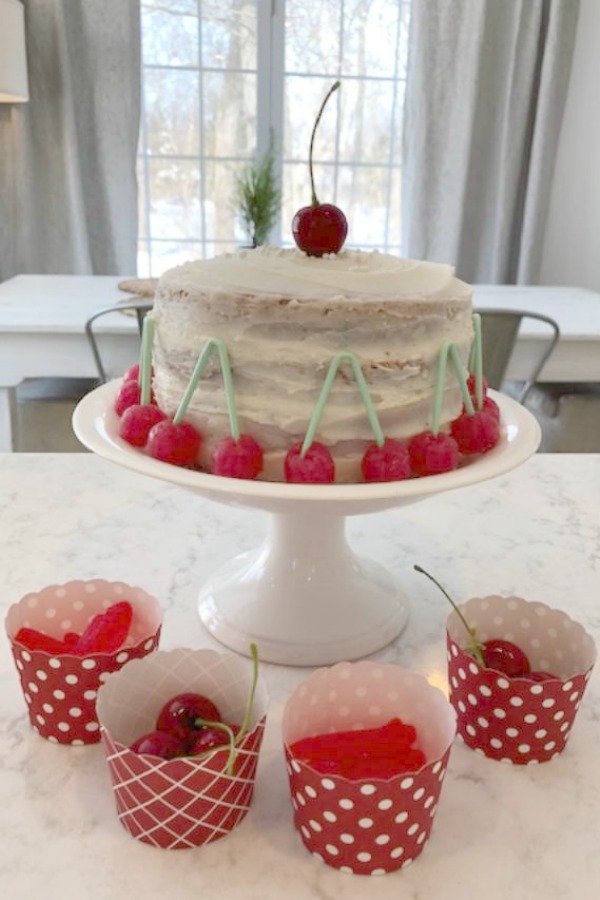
570,422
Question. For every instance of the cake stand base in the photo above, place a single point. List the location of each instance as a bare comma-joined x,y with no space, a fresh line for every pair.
304,597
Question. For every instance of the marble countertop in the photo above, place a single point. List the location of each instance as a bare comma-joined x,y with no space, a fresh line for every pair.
524,833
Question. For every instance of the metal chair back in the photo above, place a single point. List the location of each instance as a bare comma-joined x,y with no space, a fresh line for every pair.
138,307
499,331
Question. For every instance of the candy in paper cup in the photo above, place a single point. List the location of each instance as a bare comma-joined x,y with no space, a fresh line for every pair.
187,801
60,690
518,720
369,826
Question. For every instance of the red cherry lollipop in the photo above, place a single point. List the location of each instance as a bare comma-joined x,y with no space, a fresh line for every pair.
476,433
316,466
241,458
390,462
432,454
321,227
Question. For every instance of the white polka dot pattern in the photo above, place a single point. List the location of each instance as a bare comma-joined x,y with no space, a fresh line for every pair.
516,719
369,826
365,827
60,691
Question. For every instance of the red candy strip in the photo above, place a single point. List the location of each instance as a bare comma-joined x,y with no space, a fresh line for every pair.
107,631
36,640
364,753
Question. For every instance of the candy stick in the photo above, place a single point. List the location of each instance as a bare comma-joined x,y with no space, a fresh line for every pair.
448,348
146,360
201,363
319,409
460,377
478,352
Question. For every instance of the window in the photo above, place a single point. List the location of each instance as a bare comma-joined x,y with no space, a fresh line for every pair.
225,79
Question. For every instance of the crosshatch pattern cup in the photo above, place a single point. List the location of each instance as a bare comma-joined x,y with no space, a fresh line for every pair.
187,801
369,826
60,691
517,720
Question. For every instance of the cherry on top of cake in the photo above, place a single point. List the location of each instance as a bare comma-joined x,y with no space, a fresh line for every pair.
321,227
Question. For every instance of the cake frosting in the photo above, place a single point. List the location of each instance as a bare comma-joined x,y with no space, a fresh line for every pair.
283,317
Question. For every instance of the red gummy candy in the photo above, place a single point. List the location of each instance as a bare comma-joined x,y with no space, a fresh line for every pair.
432,454
37,640
107,631
381,752
128,394
136,422
477,433
132,373
315,467
237,459
390,462
472,386
177,444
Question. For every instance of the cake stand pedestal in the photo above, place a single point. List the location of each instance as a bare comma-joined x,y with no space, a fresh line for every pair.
304,597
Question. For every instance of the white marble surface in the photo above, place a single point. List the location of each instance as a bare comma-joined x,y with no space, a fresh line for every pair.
500,831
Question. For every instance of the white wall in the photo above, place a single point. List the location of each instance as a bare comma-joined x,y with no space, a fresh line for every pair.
571,252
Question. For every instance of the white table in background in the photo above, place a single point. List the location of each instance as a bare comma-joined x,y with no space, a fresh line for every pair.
42,333
524,833
42,321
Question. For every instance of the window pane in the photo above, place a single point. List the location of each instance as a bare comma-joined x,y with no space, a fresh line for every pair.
363,196
169,35
166,254
229,34
220,207
174,198
365,121
312,33
229,103
172,111
370,37
142,199
302,100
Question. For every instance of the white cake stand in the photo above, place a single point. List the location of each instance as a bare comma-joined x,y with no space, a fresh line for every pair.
304,597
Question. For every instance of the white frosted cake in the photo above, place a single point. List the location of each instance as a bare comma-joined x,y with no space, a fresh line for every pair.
283,317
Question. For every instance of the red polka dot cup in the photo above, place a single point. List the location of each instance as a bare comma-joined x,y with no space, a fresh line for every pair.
188,801
518,720
61,690
368,826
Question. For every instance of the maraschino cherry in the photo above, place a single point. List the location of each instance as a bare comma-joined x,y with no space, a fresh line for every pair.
321,227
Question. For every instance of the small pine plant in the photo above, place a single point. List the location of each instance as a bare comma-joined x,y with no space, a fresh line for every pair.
258,198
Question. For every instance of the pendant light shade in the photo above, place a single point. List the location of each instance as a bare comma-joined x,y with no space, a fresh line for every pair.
13,58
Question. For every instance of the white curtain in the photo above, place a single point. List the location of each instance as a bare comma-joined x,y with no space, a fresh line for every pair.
486,86
68,193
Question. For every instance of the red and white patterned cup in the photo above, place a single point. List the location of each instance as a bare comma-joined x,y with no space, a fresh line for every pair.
518,720
368,826
188,801
60,690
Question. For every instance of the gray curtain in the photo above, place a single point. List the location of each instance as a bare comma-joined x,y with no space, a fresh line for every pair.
485,92
68,194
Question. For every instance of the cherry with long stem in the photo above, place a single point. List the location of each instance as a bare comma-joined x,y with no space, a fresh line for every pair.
475,645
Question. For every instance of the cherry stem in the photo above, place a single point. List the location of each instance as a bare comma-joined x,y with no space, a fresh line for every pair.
250,704
476,647
333,88
220,726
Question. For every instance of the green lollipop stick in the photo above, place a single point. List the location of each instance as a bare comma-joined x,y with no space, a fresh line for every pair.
146,360
319,409
201,363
